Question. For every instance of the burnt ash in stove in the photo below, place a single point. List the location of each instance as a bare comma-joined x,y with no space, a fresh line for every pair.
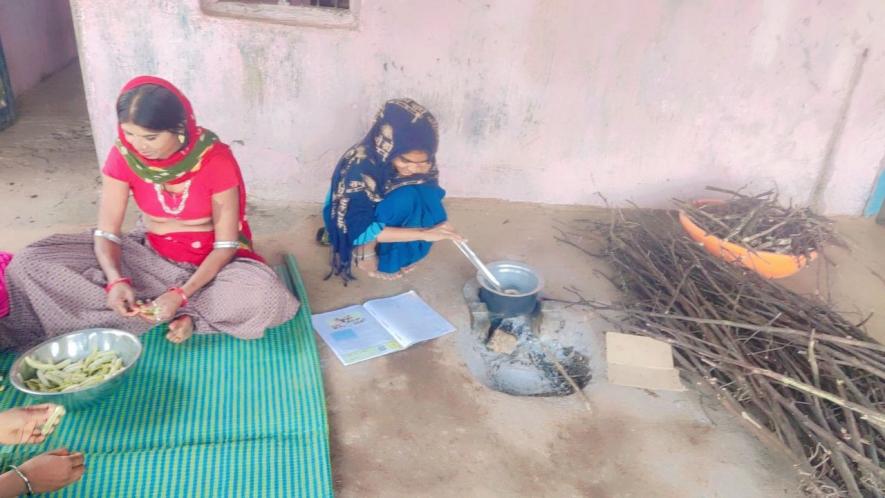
514,354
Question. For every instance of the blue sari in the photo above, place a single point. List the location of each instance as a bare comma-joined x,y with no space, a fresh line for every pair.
365,177
413,206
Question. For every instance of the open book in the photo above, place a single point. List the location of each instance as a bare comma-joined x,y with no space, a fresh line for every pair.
379,327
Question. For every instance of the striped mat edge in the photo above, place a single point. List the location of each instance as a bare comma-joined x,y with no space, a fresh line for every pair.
306,454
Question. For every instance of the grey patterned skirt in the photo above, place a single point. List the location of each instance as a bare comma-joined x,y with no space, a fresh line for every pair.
56,286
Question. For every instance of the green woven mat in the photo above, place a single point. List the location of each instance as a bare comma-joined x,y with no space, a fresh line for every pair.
214,417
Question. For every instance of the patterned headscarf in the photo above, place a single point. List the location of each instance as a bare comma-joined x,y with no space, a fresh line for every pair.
365,174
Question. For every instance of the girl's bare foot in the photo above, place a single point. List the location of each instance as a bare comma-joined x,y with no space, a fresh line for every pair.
408,269
370,266
385,276
180,329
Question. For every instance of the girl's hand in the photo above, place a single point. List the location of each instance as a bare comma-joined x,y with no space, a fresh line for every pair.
161,309
442,231
53,470
21,425
121,299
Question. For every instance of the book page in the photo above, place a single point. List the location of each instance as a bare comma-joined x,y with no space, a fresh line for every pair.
408,318
354,335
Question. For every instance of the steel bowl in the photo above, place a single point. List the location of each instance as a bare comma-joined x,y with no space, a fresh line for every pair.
521,284
76,346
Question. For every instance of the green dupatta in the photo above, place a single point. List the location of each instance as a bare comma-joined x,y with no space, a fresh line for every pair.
191,163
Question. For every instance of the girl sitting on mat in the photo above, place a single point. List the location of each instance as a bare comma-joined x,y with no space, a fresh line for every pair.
192,259
384,210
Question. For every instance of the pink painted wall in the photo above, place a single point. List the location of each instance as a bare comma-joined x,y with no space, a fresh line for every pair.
38,39
538,100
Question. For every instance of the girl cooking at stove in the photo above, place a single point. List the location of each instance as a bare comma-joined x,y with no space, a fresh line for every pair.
384,210
193,258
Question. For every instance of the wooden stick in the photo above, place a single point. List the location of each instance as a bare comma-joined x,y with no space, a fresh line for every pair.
571,381
774,330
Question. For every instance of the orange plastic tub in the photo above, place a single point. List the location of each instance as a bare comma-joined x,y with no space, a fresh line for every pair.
768,264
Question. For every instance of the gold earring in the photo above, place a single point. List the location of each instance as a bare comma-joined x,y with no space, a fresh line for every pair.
181,137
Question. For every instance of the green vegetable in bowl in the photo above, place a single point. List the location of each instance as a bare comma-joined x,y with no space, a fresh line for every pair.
68,375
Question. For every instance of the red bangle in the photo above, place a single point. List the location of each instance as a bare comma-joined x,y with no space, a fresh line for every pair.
107,288
181,293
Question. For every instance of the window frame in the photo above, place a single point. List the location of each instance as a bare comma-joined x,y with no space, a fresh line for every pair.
291,15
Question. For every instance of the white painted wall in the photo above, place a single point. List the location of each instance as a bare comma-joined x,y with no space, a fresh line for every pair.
38,39
545,101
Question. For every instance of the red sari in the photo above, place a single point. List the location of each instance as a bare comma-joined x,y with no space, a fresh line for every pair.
214,169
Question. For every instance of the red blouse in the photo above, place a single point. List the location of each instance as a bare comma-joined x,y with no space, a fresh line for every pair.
219,173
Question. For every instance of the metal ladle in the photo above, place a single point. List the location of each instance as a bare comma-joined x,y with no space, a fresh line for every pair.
473,258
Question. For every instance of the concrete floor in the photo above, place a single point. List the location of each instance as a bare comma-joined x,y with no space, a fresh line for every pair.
416,423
